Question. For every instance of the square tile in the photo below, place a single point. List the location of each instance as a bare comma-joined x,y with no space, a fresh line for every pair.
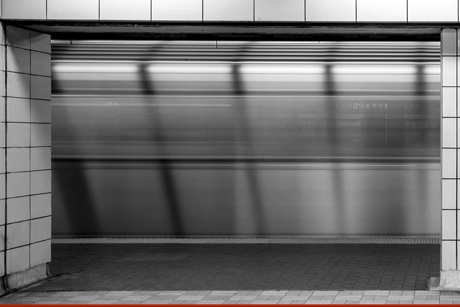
275,10
40,182
40,205
23,9
449,71
228,10
449,42
18,85
40,87
190,10
40,111
17,160
381,11
41,135
18,234
2,186
331,10
40,229
449,102
449,225
40,253
73,9
18,135
432,10
125,9
40,158
18,110
40,63
40,42
17,37
449,132
17,259
2,214
18,209
18,184
18,60
449,193
448,255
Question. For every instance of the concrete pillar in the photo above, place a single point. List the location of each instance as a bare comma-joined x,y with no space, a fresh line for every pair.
450,142
25,156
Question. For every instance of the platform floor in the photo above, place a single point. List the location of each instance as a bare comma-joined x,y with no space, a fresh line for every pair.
238,273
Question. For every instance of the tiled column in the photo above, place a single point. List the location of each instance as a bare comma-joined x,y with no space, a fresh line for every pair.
26,142
450,230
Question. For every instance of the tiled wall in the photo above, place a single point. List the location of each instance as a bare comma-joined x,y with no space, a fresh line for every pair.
450,153
236,10
25,153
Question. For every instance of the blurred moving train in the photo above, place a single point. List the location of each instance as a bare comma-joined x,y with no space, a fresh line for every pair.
224,138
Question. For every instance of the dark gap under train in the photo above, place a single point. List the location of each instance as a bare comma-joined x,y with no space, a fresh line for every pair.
223,138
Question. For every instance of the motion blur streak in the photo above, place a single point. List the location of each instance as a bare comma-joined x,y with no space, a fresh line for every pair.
185,138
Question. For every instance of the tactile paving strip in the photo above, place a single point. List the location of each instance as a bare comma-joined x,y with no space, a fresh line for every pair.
257,240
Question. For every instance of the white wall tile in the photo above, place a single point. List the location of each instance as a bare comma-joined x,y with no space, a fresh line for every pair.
41,63
449,101
17,37
41,87
449,163
448,255
40,42
2,265
18,85
2,134
40,158
2,235
2,162
125,9
41,135
449,194
449,42
40,205
18,209
18,159
23,9
40,182
40,253
40,229
40,111
449,71
18,234
2,85
2,186
432,10
228,10
449,132
275,10
18,60
190,10
331,10
17,259
18,135
18,184
2,215
381,10
449,225
73,9
17,110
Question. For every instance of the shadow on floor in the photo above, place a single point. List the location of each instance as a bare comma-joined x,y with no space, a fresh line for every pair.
159,267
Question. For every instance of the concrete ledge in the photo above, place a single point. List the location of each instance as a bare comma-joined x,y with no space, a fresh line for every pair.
448,281
22,279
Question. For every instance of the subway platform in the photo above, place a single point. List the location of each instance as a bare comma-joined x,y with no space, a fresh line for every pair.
239,270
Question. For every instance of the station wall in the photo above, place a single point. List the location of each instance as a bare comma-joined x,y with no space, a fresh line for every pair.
25,101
